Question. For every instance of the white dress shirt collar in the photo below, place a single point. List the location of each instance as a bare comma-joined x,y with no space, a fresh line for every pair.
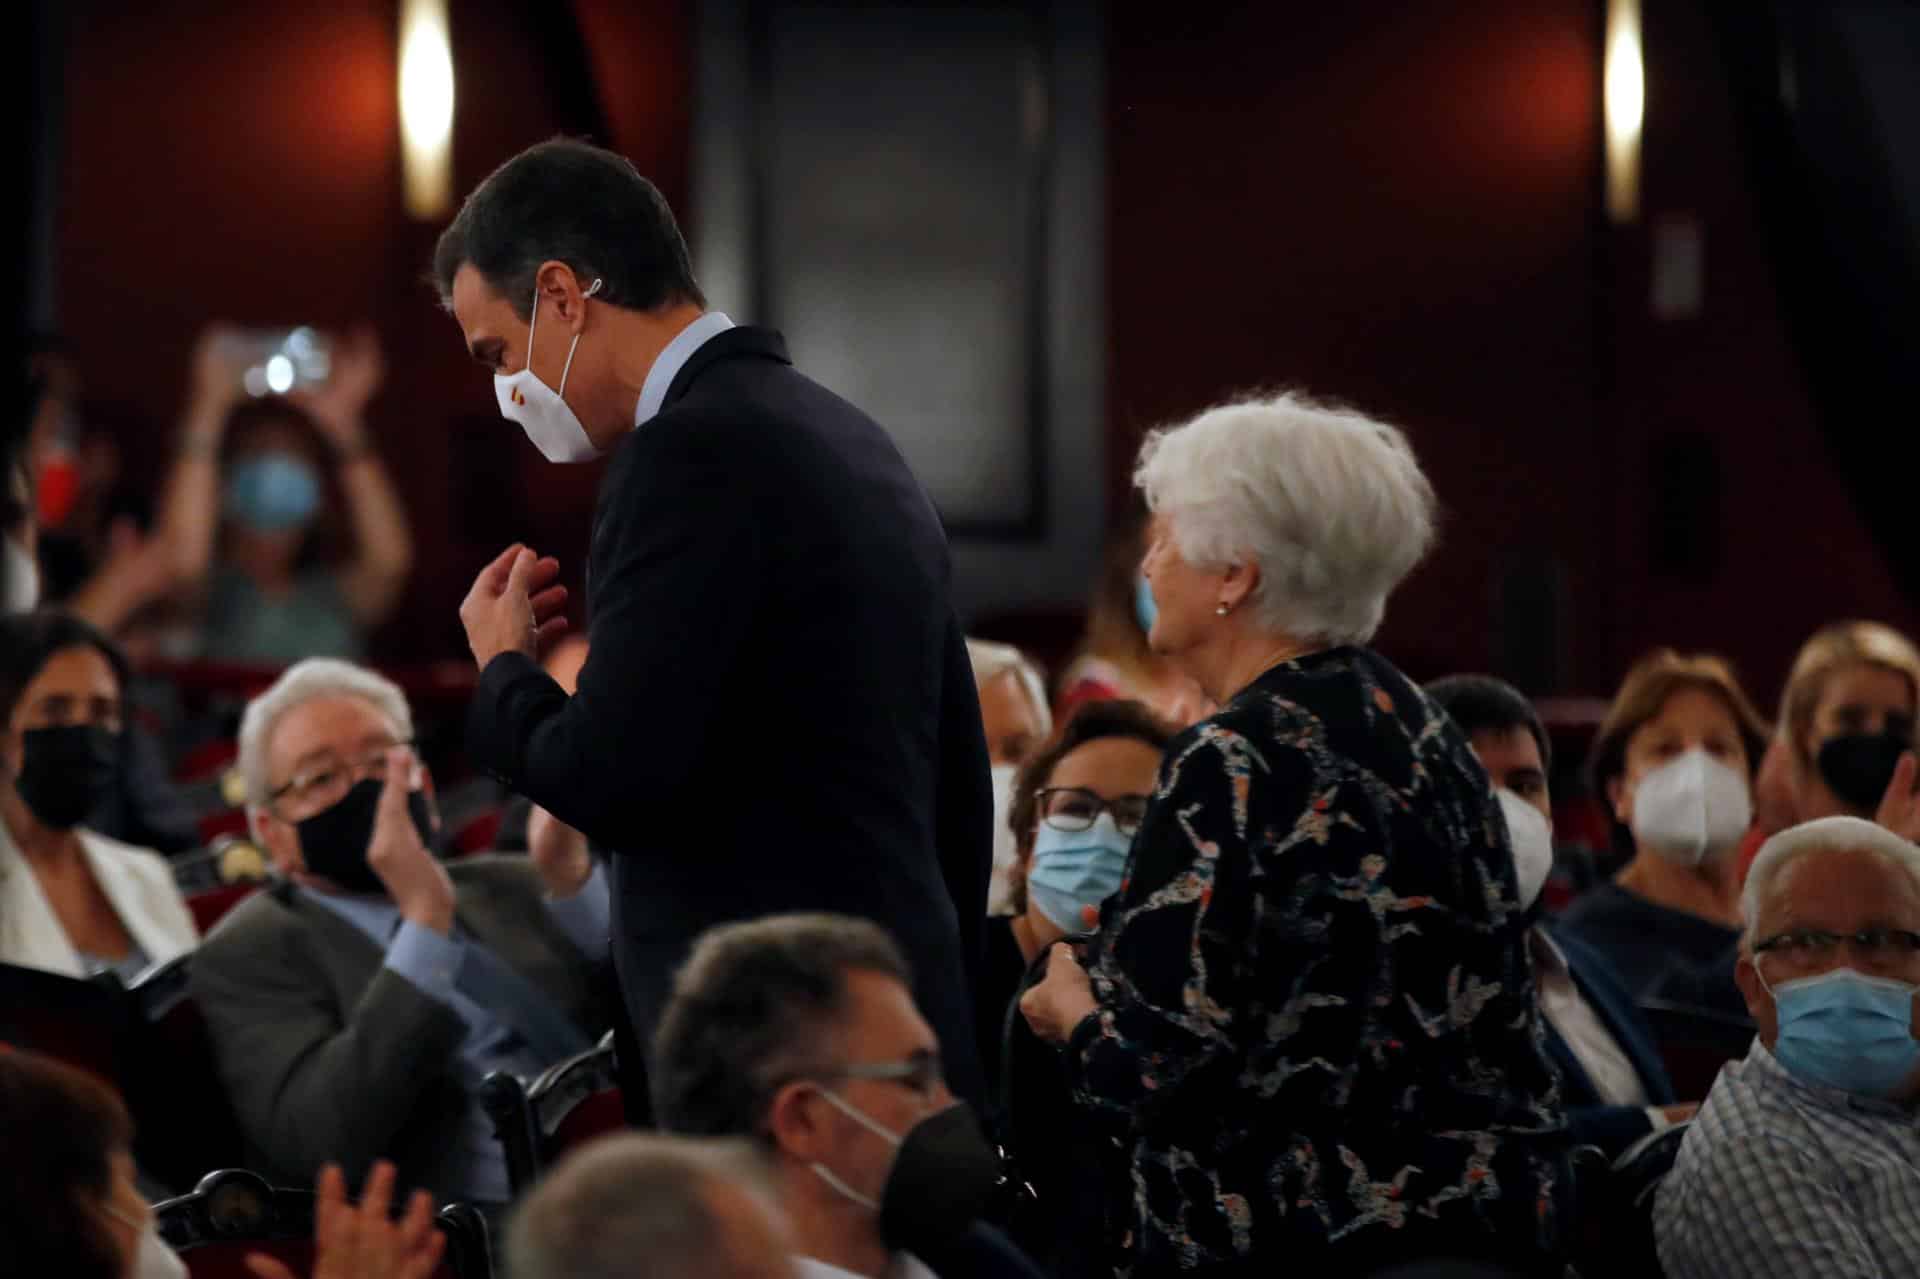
905,1266
672,358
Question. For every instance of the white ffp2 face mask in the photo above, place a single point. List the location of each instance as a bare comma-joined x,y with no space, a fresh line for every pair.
1005,853
1531,835
1691,809
153,1260
22,577
540,410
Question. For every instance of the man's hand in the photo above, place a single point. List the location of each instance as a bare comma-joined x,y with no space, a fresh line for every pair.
365,1242
559,853
1900,806
1062,999
417,883
514,606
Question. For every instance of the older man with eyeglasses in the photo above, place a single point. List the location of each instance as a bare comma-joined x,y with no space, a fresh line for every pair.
1805,1159
356,1003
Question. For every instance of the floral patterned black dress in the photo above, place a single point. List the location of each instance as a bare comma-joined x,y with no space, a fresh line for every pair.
1317,1019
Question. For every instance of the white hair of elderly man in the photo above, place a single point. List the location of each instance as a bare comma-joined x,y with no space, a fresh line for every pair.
1824,835
304,682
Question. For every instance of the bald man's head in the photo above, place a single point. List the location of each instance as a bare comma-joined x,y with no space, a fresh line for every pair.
645,1206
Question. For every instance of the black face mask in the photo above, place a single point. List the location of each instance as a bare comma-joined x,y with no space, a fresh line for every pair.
333,842
1858,767
66,772
943,1178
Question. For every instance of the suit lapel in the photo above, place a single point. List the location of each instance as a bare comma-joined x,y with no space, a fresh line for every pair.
349,957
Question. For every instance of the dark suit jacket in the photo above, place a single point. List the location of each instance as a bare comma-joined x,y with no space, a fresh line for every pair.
777,712
1612,1128
330,1056
982,1253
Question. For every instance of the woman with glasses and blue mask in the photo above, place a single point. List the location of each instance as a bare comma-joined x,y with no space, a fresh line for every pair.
246,510
1308,1011
73,901
1075,809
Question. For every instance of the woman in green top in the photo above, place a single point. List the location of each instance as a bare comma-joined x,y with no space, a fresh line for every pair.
246,499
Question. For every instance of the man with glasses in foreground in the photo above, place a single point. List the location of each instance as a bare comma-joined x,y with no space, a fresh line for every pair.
356,1003
800,1033
1805,1159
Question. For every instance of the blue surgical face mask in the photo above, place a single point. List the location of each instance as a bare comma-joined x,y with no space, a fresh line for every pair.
1073,871
272,492
1144,608
1847,1030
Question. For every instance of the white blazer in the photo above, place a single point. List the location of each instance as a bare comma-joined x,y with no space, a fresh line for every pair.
138,883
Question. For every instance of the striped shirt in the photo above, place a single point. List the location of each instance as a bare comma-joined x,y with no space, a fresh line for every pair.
1781,1177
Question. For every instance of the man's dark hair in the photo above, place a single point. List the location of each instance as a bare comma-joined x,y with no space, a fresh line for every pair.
756,1006
570,202
60,1128
28,642
1483,704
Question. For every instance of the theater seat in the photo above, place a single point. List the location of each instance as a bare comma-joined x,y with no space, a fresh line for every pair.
185,1124
1616,1212
567,1106
233,1213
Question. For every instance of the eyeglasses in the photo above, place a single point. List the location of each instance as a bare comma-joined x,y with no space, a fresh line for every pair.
1874,945
921,1072
1073,808
327,783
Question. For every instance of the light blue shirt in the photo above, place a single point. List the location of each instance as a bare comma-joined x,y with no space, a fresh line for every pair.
472,1164
672,358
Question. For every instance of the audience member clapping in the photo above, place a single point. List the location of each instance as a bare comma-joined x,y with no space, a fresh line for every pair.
1310,1004
662,1207
1674,761
1805,1159
243,506
73,901
1846,721
1612,1080
356,1004
1018,722
800,1031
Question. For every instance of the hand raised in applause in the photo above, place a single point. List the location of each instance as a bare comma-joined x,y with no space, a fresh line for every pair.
1062,999
414,878
514,606
364,1241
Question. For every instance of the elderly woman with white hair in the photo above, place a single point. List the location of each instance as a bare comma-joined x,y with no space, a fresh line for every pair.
1309,1006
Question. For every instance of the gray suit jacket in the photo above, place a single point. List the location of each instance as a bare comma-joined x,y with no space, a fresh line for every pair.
330,1057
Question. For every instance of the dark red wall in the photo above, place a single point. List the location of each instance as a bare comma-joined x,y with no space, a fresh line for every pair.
1402,212
1405,214
242,163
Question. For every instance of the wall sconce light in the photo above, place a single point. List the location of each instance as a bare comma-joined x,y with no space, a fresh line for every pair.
1626,104
426,108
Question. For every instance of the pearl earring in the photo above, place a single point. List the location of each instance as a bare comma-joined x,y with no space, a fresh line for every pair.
1221,611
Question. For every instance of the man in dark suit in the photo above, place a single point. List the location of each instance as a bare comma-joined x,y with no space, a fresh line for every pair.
777,712
355,1005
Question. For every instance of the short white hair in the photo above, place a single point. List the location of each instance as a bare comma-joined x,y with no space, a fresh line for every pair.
303,682
1330,504
991,660
1825,835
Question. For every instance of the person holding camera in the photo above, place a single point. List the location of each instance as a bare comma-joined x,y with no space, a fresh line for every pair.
246,515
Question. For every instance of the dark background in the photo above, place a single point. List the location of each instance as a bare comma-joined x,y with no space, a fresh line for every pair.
1402,212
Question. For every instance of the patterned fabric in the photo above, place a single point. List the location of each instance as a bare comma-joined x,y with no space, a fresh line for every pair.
1779,1177
1317,1015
